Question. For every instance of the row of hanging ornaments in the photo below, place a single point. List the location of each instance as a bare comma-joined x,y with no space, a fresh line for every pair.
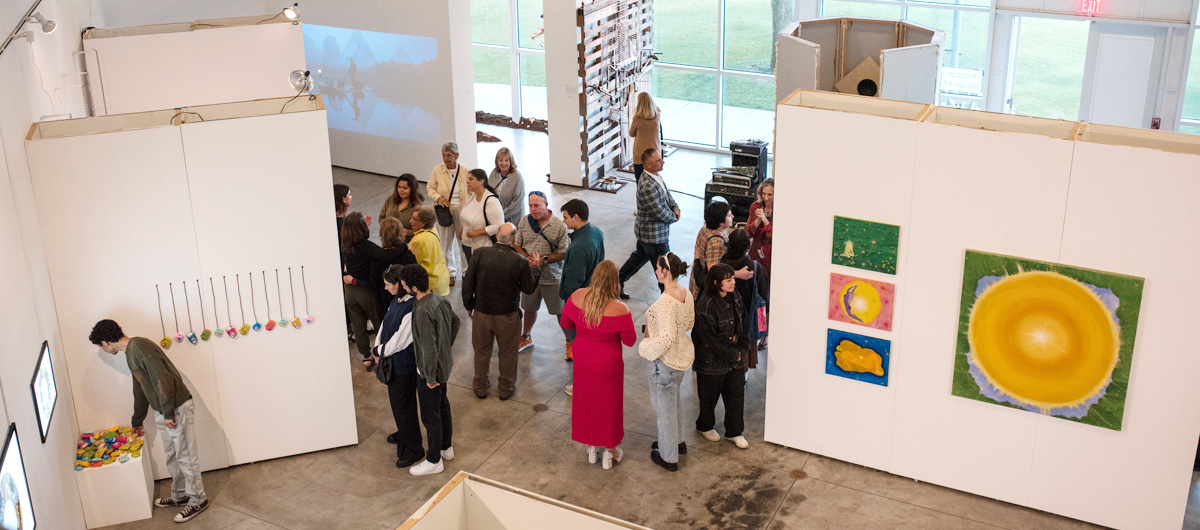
231,331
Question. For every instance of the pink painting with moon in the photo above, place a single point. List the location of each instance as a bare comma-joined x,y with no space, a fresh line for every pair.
861,301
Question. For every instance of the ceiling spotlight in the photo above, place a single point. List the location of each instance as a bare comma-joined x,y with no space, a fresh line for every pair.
47,25
292,12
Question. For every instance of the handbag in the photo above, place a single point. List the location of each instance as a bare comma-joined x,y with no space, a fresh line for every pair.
761,309
444,217
383,368
485,219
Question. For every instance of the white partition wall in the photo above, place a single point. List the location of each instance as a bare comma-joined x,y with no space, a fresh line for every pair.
186,64
1037,189
141,203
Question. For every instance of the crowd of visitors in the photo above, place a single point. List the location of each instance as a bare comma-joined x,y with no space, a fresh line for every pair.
517,256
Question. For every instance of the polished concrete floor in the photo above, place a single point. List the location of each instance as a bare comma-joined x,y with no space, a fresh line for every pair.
526,441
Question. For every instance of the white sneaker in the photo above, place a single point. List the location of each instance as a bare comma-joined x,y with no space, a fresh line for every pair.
711,435
448,454
740,441
609,458
591,454
570,390
426,468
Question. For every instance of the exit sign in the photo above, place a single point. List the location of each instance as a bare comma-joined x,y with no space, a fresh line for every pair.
1091,7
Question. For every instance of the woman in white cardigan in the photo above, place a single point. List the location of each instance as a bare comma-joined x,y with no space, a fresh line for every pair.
670,352
481,216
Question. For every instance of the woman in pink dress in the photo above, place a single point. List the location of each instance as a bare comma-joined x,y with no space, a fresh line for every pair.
601,323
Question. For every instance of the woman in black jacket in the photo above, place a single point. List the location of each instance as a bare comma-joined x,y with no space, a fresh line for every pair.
364,262
722,350
751,290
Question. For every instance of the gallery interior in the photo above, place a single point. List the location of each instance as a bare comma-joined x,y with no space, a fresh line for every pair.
988,206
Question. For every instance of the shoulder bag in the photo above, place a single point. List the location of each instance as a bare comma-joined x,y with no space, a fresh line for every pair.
444,217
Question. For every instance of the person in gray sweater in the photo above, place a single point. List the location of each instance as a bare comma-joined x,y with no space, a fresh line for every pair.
509,186
434,327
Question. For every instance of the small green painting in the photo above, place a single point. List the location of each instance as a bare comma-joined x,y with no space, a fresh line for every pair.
865,245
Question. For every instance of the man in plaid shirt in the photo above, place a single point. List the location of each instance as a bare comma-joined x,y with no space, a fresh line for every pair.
656,210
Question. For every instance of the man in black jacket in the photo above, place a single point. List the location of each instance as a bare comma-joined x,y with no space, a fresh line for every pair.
491,295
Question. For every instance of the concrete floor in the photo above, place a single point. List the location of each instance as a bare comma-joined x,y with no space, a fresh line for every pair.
526,441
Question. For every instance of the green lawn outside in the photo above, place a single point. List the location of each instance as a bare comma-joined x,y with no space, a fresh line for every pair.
1049,73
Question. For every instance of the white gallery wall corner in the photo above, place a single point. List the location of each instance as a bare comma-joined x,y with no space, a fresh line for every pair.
130,203
953,180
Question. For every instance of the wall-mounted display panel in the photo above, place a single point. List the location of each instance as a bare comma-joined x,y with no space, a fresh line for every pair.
16,508
45,390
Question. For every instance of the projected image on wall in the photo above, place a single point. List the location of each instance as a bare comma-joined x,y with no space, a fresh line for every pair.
375,83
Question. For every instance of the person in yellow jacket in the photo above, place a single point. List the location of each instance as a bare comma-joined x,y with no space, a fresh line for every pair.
427,247
447,187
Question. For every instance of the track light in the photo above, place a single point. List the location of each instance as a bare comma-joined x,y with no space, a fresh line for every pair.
27,35
292,12
48,26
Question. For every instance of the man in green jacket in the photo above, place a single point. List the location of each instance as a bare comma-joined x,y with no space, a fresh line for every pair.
583,254
434,327
157,385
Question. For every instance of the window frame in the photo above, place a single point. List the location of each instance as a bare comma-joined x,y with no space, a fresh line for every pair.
515,51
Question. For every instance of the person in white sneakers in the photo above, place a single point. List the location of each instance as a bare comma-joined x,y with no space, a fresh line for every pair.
722,346
542,239
434,327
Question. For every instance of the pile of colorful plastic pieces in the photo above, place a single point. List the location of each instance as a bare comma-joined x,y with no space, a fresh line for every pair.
117,444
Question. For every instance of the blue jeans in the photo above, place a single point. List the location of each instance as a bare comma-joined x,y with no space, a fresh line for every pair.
664,396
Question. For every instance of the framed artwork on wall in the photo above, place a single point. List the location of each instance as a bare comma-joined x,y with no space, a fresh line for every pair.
861,301
16,510
857,357
45,391
865,245
1047,338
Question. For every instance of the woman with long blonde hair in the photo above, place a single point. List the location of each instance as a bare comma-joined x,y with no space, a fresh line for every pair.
602,323
644,129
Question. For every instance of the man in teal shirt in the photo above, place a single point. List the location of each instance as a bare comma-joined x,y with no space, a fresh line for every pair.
583,254
157,385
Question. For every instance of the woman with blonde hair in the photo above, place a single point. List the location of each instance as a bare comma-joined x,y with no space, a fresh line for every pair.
509,186
601,323
644,129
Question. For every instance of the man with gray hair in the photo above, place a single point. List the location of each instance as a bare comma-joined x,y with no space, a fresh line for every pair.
447,187
492,286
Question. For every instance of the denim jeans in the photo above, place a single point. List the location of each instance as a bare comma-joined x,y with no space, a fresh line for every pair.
664,396
183,463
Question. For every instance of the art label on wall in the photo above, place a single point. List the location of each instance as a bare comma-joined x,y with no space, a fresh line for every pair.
865,244
857,357
16,510
1047,338
861,301
45,393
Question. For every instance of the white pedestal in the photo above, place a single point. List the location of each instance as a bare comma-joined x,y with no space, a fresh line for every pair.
116,493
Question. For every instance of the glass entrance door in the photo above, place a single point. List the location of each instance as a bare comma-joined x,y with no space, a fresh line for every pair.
1046,77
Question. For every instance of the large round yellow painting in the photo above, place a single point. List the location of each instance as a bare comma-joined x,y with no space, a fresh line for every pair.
1045,337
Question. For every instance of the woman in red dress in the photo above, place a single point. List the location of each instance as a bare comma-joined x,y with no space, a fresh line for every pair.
760,226
601,323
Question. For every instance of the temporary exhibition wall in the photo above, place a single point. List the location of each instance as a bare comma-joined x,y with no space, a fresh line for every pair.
27,316
148,204
955,180
185,64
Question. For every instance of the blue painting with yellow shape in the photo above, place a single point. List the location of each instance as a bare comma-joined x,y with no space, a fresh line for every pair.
857,357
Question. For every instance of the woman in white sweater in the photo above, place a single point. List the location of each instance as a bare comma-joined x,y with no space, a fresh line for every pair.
481,215
670,352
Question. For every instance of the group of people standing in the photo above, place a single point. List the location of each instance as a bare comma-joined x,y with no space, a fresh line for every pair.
513,255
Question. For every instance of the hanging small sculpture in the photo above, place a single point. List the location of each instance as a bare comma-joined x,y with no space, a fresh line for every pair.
229,331
216,309
191,335
241,307
205,333
292,288
267,294
308,318
253,306
166,341
175,312
279,291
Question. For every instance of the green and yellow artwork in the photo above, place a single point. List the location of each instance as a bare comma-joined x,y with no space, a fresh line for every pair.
1047,338
865,244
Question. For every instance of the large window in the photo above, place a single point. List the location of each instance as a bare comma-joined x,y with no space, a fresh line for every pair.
965,52
714,79
510,65
1190,122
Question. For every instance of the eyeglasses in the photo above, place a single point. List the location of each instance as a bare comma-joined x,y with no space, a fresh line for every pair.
539,194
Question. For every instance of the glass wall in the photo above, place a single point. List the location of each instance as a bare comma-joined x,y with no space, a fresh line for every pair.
714,79
1190,122
507,50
